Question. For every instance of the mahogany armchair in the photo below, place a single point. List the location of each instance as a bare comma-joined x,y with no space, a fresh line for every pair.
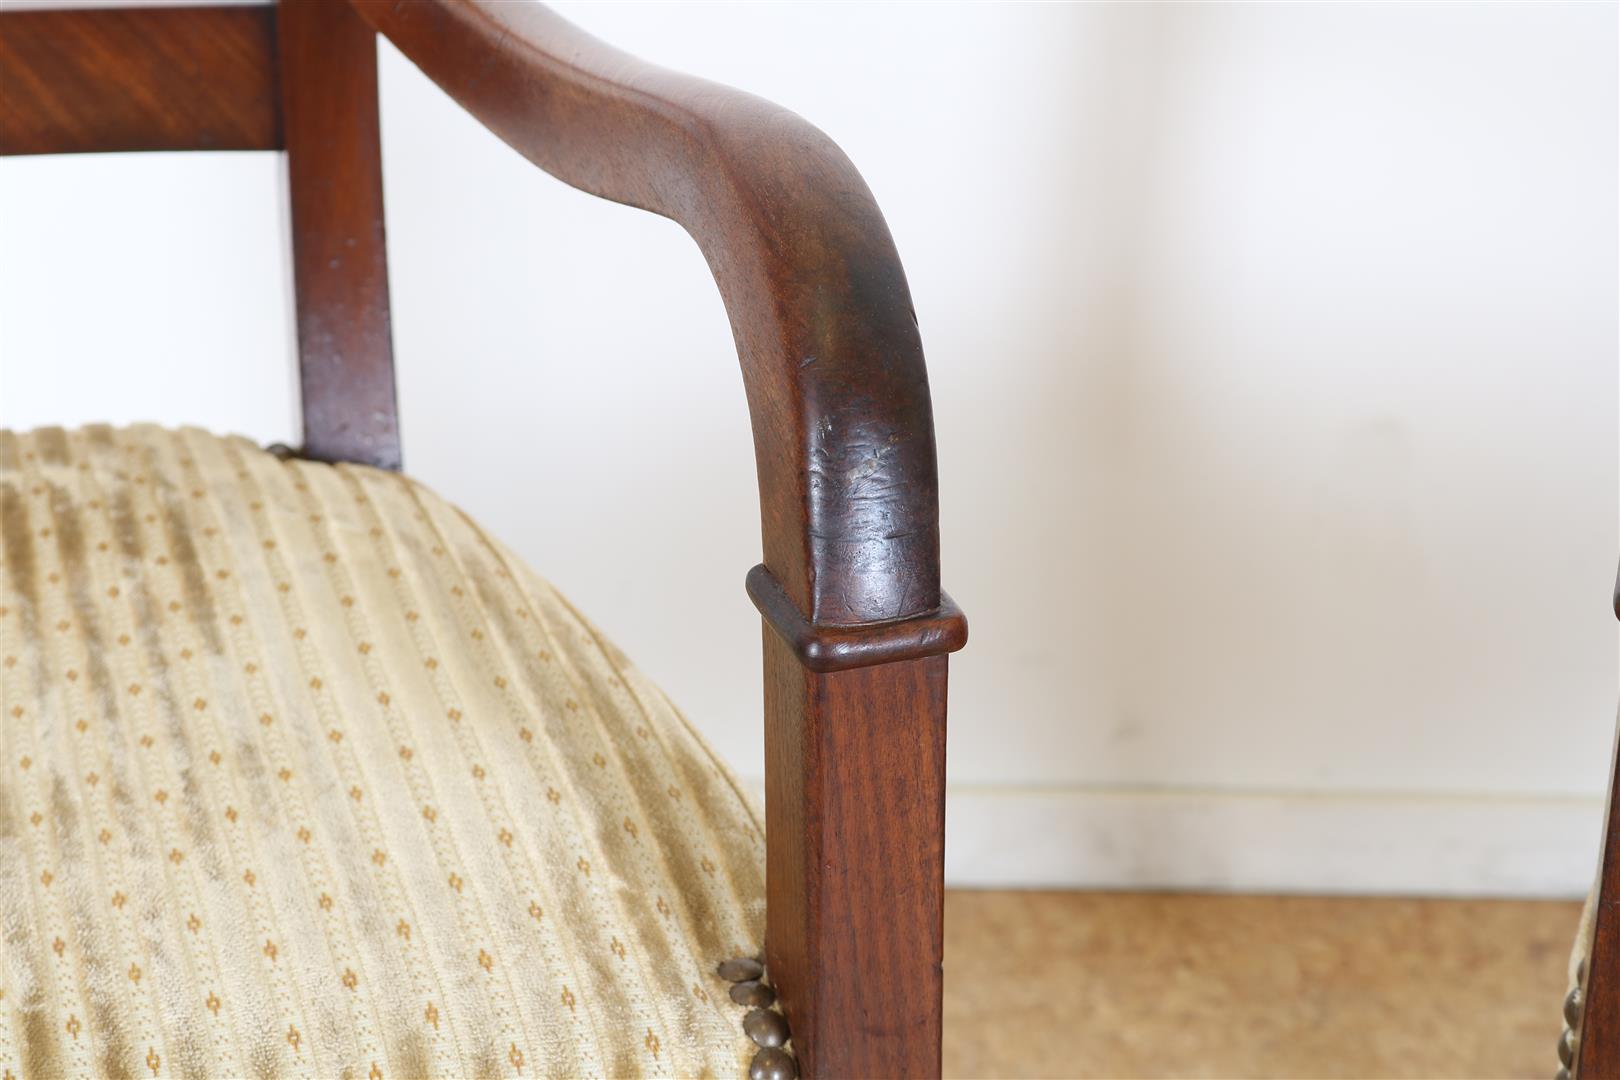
290,738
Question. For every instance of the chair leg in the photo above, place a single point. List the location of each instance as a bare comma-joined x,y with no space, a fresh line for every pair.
1595,1019
854,819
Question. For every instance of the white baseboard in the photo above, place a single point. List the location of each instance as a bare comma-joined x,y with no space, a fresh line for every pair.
1296,843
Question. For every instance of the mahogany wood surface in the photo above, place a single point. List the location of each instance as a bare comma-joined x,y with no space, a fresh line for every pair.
854,860
340,263
1599,1049
843,442
831,357
1598,1055
89,81
839,648
832,366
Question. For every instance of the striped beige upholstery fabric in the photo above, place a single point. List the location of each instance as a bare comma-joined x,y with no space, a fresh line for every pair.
302,774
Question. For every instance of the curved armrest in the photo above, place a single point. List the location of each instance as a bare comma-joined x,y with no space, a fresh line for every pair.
818,303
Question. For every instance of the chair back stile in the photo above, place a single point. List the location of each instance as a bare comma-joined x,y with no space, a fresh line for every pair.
301,78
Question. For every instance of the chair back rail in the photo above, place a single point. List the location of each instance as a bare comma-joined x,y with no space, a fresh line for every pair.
300,79
92,81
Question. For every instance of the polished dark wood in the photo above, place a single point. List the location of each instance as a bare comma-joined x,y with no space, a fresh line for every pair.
855,823
839,648
856,623
340,262
91,81
1599,1050
242,78
832,361
843,442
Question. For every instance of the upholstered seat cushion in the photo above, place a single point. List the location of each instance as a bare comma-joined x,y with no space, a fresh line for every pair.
302,774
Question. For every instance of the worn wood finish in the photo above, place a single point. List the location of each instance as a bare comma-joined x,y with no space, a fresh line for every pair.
218,78
839,648
340,264
832,366
855,822
843,441
831,358
92,81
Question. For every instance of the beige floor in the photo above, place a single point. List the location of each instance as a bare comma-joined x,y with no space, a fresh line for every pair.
1145,985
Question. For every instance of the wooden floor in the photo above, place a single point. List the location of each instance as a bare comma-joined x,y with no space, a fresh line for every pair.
1150,985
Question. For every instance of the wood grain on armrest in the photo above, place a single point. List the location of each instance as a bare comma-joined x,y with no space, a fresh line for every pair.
818,303
855,674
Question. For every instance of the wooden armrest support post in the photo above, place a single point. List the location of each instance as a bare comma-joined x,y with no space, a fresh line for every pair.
1599,1023
832,363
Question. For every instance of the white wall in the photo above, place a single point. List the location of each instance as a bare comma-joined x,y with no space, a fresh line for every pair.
1274,358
